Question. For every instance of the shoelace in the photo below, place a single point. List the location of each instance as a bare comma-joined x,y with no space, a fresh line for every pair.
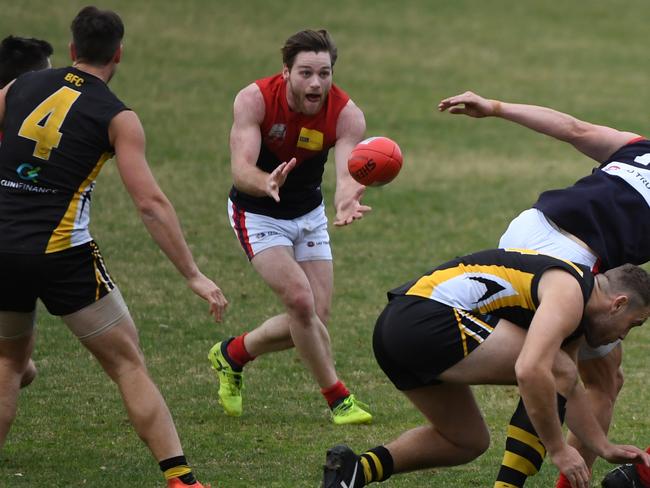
349,403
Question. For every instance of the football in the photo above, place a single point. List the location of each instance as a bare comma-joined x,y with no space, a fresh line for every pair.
375,161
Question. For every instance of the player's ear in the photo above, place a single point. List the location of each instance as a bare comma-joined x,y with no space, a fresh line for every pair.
117,57
619,303
285,72
73,51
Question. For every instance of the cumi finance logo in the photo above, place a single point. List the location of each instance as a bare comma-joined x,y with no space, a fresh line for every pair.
28,172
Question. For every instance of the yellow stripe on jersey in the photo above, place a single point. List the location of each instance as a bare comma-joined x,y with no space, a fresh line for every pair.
61,237
530,251
310,139
519,463
520,281
501,484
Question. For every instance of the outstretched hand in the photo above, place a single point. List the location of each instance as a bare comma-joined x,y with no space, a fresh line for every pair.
210,292
624,454
277,178
350,208
470,104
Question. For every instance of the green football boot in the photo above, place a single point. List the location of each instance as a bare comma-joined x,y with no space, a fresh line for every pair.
231,382
351,411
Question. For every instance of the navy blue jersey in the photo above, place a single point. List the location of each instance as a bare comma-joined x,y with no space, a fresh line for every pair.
55,143
609,210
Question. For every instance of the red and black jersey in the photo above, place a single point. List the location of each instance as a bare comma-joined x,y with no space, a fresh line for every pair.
287,134
609,210
55,143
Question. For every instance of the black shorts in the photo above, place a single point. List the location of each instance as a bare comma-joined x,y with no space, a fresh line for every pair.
416,339
65,281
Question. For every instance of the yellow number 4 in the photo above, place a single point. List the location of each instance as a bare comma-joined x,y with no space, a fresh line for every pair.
43,124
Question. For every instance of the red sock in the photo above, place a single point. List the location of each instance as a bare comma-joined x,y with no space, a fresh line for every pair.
562,482
237,351
644,472
334,393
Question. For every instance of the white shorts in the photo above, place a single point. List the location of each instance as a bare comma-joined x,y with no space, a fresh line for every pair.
307,234
532,230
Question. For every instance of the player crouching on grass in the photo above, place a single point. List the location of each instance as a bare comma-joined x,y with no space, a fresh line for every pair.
497,317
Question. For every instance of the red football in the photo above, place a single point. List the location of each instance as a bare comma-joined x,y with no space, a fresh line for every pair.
375,161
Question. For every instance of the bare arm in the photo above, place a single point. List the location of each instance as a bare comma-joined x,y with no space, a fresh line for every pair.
157,213
596,141
540,362
245,145
350,128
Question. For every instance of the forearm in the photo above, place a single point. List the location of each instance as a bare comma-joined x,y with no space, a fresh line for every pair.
582,421
250,179
540,399
544,120
345,186
163,225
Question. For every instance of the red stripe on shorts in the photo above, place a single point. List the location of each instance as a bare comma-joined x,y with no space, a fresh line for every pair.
239,218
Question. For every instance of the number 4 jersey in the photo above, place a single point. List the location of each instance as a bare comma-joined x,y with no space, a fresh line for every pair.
55,143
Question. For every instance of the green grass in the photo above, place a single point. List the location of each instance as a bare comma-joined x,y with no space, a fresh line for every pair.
462,182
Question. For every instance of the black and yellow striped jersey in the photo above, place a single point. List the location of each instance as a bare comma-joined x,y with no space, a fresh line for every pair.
55,143
499,282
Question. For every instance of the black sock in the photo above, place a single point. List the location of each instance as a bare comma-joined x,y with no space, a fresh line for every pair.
176,467
524,450
377,464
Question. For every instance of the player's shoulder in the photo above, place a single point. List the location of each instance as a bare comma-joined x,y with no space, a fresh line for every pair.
350,122
249,102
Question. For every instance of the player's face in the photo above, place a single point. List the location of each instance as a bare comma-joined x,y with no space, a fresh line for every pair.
309,81
606,327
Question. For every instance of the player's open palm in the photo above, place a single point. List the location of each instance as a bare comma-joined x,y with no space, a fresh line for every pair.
350,208
210,292
277,177
573,466
468,103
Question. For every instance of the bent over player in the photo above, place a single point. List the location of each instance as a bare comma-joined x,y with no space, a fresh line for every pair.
60,127
602,221
496,317
283,129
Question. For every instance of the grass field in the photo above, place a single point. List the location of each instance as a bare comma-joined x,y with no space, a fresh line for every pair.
463,180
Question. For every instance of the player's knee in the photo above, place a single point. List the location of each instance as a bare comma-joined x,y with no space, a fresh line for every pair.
476,447
28,375
472,444
619,380
300,303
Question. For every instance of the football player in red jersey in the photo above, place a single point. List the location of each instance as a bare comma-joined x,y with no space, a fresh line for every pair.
283,129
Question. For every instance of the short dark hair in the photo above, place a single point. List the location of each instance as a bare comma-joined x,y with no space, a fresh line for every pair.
633,280
19,55
310,41
97,35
